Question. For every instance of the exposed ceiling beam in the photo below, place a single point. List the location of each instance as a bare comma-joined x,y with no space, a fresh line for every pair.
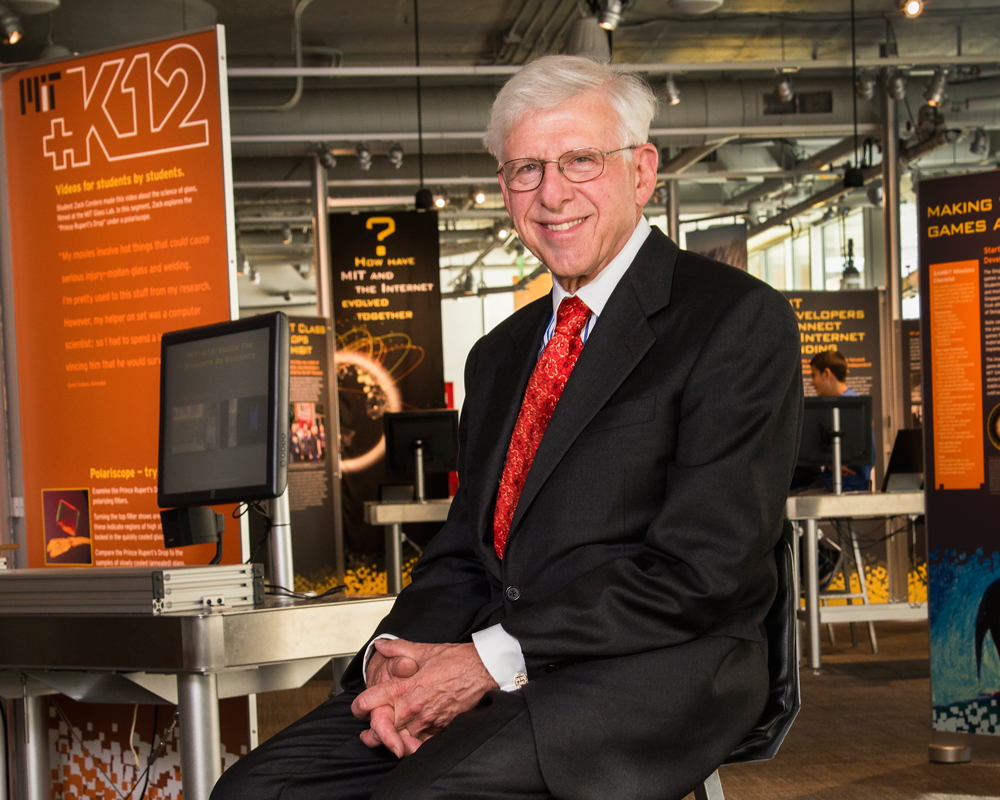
868,175
691,156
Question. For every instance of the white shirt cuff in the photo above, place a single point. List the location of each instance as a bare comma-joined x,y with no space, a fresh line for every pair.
370,651
501,655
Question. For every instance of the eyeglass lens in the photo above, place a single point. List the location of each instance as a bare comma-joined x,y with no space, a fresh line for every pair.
583,164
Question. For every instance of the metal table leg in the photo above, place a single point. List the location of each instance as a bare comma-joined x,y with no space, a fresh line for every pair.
34,781
812,591
394,558
201,735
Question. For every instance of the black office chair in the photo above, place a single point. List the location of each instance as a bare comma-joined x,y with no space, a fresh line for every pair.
762,743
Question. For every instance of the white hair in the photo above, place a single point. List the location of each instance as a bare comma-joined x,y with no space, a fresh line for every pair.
550,81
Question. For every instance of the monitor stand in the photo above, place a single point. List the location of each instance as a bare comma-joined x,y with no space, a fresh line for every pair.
279,545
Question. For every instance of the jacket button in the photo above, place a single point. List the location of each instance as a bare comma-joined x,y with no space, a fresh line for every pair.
513,593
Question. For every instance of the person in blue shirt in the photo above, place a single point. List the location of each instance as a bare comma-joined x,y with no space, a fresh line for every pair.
829,376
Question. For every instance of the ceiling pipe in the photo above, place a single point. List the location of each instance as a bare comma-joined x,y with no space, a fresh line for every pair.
493,70
299,80
691,156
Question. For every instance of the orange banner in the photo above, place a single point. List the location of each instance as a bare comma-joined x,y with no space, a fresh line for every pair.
117,174
956,374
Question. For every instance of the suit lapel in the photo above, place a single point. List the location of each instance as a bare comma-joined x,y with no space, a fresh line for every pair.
619,340
490,452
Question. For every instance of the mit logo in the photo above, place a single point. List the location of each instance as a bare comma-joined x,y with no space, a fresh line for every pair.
39,91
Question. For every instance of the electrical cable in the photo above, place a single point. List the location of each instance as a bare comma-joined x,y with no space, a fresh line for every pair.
281,591
131,741
256,506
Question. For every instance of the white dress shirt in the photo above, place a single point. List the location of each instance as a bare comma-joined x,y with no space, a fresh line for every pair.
499,651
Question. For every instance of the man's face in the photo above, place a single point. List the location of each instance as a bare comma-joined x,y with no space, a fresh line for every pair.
575,229
825,383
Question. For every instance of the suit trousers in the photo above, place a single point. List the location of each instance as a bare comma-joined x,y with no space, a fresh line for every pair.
717,688
488,752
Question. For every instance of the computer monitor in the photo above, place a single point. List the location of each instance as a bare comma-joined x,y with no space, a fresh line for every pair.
436,430
816,448
224,412
905,472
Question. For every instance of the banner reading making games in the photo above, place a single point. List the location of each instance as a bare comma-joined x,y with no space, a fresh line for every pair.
117,175
960,314
387,299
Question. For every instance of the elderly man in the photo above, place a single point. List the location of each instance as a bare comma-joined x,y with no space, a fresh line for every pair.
588,622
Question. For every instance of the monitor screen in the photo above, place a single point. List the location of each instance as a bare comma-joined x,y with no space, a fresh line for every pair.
223,412
816,449
436,429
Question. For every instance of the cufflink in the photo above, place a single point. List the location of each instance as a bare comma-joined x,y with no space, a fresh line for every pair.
519,680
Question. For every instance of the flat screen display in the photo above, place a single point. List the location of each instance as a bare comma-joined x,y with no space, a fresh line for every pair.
816,447
223,409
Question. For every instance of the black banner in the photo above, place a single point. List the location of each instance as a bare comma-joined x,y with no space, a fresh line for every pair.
846,321
959,225
311,469
387,300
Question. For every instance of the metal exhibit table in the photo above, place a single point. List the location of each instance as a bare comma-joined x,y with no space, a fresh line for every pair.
813,508
392,514
191,659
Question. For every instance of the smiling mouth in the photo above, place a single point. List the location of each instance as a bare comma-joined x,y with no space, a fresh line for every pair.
563,226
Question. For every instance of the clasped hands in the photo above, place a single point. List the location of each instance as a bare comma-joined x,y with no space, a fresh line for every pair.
415,690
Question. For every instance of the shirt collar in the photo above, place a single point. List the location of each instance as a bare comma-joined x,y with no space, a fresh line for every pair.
596,293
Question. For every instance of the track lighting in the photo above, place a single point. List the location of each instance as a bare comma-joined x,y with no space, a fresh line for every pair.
611,14
440,201
364,157
11,31
980,145
326,156
783,88
253,275
911,8
395,155
864,87
286,234
501,230
478,196
935,94
895,84
670,91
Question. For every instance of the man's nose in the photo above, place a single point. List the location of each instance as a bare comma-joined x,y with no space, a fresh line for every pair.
555,188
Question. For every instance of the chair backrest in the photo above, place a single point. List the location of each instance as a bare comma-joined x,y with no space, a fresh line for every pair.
782,707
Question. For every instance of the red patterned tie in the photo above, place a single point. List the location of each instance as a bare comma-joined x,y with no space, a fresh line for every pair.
544,389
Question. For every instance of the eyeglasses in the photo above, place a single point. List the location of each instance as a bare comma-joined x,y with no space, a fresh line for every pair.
580,165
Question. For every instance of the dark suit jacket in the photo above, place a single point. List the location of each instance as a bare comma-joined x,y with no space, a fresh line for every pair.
648,518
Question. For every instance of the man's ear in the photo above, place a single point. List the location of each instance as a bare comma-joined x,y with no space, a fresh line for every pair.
646,159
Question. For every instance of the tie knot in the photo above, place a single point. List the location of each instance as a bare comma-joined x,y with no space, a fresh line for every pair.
571,316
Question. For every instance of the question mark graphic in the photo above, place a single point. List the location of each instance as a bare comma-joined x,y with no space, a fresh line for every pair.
390,224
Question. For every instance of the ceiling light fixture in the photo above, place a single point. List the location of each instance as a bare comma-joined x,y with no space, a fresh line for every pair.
364,157
783,88
895,84
440,201
911,8
286,234
670,91
11,31
611,14
980,145
501,230
478,196
585,38
395,155
864,87
326,156
935,94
